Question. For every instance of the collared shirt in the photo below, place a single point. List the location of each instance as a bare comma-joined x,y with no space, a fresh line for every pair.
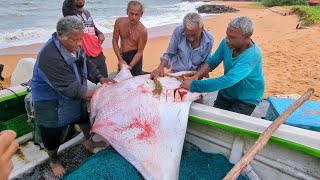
243,77
181,55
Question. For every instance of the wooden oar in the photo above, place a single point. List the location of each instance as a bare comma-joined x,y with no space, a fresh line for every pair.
265,136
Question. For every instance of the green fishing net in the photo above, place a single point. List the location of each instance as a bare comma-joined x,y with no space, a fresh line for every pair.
195,164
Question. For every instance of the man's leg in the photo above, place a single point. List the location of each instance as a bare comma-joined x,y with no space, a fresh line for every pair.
221,102
100,62
128,56
85,126
137,69
242,108
89,143
51,141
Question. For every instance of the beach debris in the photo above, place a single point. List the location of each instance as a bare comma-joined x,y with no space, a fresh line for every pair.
300,26
278,12
21,156
291,96
215,9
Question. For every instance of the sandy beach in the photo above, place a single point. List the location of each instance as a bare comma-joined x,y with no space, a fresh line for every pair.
290,56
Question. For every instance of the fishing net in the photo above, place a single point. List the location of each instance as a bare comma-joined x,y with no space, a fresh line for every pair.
195,164
71,158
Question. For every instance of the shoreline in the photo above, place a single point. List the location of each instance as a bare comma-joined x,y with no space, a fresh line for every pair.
153,32
289,55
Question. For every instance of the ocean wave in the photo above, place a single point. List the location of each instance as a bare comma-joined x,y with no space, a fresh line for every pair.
105,26
156,14
24,37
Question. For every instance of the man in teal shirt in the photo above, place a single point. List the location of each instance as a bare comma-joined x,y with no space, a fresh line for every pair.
242,85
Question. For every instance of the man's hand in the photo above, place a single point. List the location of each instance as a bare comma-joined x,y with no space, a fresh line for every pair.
8,148
107,81
157,72
89,94
101,38
186,83
121,61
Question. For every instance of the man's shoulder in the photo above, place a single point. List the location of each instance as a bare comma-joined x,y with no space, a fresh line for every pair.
50,49
256,50
121,20
50,55
143,29
208,36
179,29
86,12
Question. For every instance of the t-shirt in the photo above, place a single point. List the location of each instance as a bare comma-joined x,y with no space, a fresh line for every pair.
90,41
243,77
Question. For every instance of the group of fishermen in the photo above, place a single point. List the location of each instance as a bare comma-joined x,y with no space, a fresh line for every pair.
74,55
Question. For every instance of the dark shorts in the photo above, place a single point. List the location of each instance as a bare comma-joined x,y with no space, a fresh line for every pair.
127,57
46,119
100,62
234,105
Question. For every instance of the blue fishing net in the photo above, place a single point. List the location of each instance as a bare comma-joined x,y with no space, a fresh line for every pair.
195,164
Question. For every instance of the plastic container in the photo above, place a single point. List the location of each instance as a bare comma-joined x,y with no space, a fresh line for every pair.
18,124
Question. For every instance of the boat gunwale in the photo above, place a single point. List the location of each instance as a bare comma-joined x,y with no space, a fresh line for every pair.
277,138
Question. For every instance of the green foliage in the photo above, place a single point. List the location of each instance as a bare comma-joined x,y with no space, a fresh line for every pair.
308,14
256,4
270,3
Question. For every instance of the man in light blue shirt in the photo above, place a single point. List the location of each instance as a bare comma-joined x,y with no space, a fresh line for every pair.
242,85
189,47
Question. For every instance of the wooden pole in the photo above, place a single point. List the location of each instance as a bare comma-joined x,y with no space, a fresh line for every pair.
265,136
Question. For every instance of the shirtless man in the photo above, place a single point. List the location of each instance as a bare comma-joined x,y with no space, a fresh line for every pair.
133,38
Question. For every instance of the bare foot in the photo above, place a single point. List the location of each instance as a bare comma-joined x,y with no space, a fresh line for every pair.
58,169
90,145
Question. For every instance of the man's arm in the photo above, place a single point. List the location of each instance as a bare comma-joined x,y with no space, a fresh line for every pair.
99,34
204,70
239,72
61,77
141,45
94,74
217,57
115,41
210,65
159,71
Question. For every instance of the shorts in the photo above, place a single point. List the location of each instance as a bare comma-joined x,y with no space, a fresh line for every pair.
127,57
234,105
46,118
